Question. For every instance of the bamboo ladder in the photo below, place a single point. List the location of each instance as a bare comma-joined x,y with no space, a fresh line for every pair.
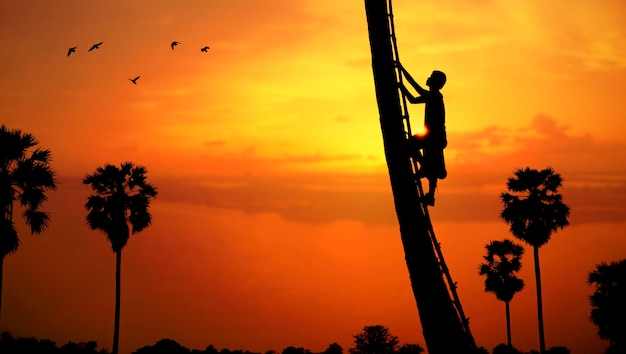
436,245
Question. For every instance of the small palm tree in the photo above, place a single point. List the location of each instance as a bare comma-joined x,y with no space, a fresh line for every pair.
534,209
608,302
503,261
119,207
25,176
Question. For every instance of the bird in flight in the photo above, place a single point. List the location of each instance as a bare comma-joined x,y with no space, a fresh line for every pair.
174,44
95,46
205,49
71,50
134,81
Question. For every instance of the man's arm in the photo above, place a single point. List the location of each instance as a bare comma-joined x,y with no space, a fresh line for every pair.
410,97
412,81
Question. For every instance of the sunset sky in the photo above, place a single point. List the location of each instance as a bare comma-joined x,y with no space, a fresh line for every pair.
274,225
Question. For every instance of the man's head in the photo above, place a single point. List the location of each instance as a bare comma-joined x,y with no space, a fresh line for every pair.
436,80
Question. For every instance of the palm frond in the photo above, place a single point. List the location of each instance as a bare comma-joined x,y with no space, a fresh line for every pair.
98,219
41,155
95,202
14,144
140,221
36,220
40,175
32,198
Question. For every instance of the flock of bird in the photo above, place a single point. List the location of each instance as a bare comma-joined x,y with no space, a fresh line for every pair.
134,81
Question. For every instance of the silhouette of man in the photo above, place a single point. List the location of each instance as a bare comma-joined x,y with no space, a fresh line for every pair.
432,164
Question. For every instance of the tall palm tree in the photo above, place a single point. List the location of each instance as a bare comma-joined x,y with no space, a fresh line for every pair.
118,208
608,302
534,209
25,176
503,260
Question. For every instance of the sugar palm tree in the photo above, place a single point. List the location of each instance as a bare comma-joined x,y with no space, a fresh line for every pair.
444,326
25,177
534,209
503,261
118,208
608,302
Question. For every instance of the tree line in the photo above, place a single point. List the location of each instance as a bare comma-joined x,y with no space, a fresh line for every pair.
374,339
119,207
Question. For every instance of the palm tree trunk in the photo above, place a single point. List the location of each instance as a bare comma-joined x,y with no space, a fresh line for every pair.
116,329
441,326
542,340
508,324
1,268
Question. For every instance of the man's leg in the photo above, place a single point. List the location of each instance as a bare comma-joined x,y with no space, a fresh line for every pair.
430,195
414,145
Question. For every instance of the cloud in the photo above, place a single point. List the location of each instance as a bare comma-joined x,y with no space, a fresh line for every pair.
305,198
478,163
317,158
211,143
544,142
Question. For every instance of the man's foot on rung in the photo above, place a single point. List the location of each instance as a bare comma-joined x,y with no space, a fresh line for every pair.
428,199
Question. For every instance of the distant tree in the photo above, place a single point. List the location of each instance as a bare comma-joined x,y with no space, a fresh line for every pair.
333,348
210,350
271,351
118,207
481,350
25,177
558,350
410,349
294,350
375,340
163,346
534,209
33,345
79,348
608,302
503,261
614,350
30,345
505,349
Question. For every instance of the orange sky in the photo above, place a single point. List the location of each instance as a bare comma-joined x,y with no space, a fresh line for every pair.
274,225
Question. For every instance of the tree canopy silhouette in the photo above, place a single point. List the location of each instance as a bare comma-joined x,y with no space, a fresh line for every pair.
295,350
608,302
375,340
410,349
12,345
163,346
118,207
333,348
25,177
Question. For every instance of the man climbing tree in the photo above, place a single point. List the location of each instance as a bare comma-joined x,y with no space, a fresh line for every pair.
432,164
